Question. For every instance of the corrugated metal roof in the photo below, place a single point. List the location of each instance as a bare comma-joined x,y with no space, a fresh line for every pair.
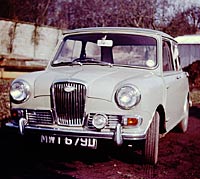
188,39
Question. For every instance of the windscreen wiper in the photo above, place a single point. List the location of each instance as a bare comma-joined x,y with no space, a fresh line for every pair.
68,63
91,61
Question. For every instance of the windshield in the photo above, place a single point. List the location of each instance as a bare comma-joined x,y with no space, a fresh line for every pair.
116,49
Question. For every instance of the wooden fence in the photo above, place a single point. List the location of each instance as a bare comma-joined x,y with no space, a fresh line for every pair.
12,68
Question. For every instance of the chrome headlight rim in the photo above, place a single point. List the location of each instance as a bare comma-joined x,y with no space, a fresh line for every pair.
19,91
127,92
103,121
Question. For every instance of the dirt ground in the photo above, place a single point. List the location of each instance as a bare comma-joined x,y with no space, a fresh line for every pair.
178,158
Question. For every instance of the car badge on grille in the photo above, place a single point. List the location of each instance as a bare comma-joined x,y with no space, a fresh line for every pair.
69,89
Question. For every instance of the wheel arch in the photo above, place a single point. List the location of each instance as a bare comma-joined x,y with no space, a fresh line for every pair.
161,112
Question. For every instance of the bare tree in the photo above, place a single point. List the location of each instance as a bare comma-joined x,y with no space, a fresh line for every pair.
179,25
187,22
90,13
164,15
141,13
40,12
58,14
193,17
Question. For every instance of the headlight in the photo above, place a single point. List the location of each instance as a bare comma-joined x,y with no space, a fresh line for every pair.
127,96
19,91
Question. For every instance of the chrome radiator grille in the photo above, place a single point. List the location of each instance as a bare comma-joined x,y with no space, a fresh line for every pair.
69,102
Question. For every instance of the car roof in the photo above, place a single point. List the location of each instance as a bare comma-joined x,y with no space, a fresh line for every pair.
119,29
188,39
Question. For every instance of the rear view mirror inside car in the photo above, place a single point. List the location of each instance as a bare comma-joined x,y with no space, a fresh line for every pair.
105,43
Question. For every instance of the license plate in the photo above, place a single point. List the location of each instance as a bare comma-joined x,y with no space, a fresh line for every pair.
70,141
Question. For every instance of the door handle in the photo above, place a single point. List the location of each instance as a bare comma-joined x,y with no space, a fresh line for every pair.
178,77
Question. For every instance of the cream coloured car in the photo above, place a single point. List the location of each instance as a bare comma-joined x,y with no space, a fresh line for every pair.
118,84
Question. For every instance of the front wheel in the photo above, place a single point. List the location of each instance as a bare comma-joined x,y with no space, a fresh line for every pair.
150,151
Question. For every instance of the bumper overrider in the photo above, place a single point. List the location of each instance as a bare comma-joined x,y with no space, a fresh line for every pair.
117,134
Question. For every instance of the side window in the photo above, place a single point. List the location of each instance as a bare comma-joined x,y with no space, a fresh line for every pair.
167,57
176,58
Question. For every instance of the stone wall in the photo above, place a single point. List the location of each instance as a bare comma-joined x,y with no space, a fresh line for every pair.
27,41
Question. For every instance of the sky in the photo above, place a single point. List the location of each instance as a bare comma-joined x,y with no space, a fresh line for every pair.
182,5
189,2
195,1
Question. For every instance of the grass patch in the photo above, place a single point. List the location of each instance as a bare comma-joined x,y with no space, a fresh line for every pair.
195,96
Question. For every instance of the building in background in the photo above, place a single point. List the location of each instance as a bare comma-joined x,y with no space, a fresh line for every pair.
189,48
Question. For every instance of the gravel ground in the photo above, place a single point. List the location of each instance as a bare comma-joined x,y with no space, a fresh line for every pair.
4,98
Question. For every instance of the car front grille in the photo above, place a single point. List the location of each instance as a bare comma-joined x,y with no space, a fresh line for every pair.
39,116
69,103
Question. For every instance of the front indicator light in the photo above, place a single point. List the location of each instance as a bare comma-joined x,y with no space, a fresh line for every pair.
132,121
16,114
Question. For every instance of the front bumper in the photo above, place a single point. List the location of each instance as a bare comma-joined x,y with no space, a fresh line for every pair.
117,135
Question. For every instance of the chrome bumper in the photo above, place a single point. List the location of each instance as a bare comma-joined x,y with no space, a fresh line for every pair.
117,135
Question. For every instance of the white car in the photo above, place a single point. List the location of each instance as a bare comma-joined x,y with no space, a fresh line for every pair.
118,84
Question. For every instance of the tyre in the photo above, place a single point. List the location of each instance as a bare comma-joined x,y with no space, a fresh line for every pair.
150,150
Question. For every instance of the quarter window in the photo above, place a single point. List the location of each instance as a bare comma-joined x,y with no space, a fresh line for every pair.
167,58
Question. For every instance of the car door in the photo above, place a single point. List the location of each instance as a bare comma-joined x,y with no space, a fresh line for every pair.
175,86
